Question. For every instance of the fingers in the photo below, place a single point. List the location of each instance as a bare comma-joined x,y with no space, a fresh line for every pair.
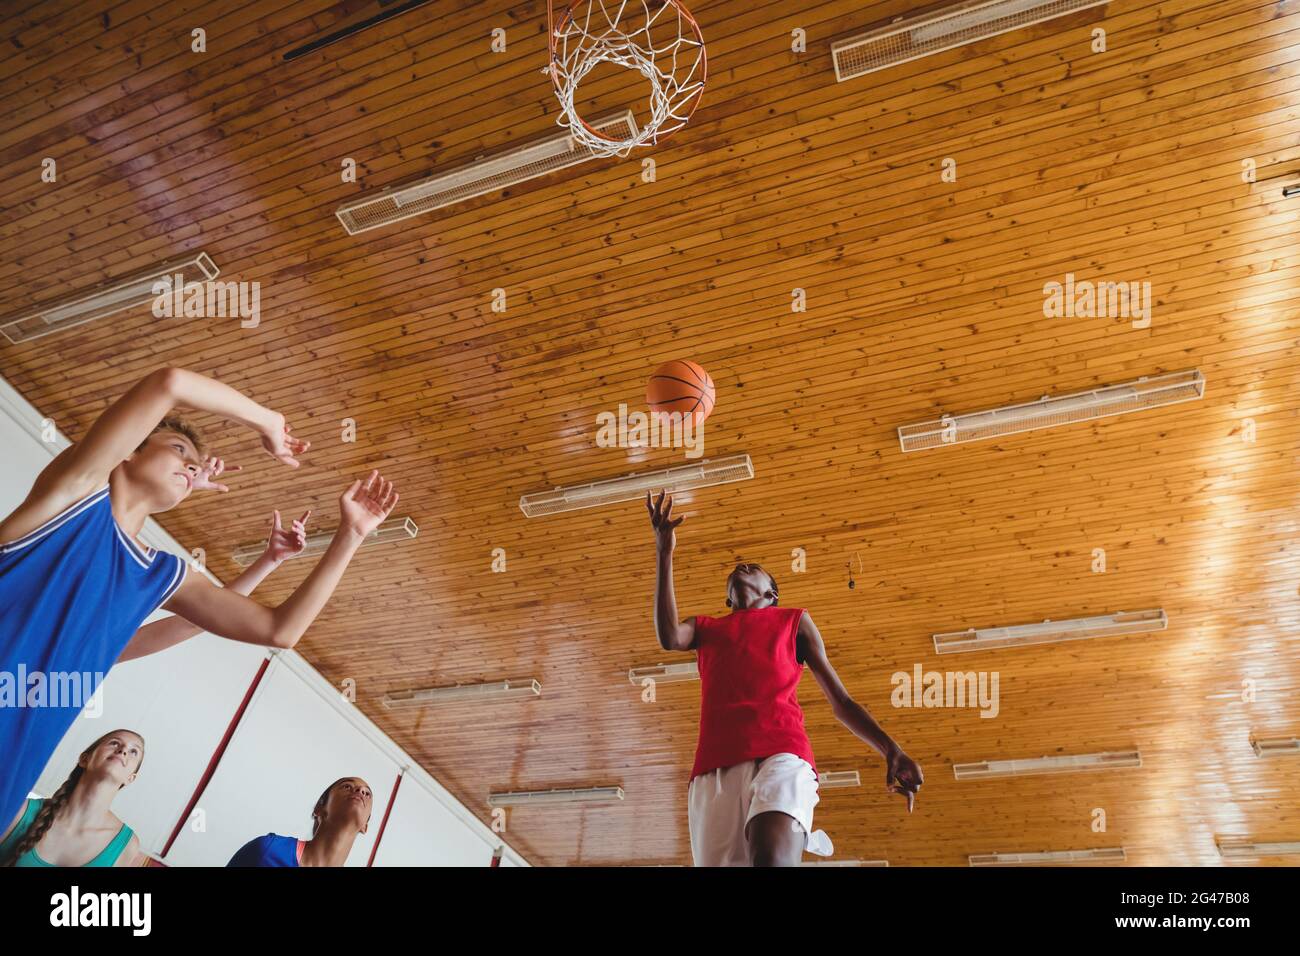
648,506
303,520
674,524
668,510
275,521
368,488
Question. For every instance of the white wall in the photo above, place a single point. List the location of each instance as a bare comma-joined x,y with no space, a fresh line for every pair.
297,736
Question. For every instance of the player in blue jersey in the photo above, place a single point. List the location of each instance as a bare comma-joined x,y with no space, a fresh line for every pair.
340,816
75,584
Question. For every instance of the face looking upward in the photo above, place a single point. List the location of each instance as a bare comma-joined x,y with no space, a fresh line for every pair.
116,757
164,468
750,587
349,799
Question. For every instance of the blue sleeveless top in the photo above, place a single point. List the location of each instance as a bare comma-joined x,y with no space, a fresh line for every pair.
72,592
269,850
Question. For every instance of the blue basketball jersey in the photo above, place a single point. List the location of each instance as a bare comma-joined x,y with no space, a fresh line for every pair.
269,850
72,593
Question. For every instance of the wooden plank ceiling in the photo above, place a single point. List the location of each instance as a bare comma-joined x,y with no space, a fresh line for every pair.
923,297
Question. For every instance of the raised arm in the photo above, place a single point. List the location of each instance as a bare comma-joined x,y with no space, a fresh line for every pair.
81,468
221,611
674,635
902,773
283,543
129,421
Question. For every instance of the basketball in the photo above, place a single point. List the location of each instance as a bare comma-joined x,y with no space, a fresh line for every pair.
681,386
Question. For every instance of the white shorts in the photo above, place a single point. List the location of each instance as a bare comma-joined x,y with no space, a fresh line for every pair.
721,803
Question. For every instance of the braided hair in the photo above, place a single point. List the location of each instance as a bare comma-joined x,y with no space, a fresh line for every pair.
50,808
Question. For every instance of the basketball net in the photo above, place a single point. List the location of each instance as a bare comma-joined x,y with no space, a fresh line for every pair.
658,38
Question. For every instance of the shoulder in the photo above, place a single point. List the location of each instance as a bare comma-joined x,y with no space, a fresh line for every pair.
251,853
131,854
44,511
26,814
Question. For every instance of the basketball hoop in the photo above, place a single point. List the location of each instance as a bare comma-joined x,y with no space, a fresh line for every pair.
658,38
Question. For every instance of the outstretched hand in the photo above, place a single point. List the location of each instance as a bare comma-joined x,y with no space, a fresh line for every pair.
662,521
213,467
363,507
281,445
284,543
903,776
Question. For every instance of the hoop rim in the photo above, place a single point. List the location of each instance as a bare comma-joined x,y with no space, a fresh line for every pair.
568,17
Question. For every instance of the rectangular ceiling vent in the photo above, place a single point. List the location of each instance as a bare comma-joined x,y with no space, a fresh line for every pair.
1068,763
1241,850
704,474
476,178
394,529
1050,411
664,673
1276,747
1021,635
90,304
914,35
546,798
1106,855
836,779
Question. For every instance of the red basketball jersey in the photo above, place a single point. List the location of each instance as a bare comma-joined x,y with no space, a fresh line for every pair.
749,679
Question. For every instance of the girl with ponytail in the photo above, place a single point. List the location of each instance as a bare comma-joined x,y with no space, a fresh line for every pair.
76,826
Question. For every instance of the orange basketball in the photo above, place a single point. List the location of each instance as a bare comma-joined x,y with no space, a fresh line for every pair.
681,386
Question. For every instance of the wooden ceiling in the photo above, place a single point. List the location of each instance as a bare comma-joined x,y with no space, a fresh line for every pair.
923,297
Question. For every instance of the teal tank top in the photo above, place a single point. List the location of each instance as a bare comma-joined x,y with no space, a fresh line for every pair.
106,857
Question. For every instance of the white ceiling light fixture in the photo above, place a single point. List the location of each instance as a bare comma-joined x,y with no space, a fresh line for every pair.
1243,850
703,474
665,673
846,863
1048,632
1114,854
476,178
394,529
1276,747
547,798
88,305
838,779
914,35
1070,763
1051,411
461,693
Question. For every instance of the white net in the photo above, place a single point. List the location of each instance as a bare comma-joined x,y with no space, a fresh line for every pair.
658,38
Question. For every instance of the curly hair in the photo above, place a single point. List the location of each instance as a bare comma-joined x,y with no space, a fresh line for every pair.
50,808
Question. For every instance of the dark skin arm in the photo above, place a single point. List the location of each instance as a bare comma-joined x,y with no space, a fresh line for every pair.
902,773
674,635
